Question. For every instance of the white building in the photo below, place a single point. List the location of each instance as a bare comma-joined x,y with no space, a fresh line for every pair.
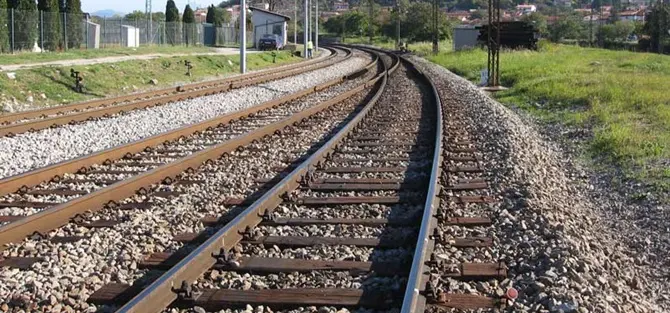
526,8
266,22
636,15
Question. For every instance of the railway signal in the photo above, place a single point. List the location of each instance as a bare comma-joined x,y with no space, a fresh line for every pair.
78,85
189,66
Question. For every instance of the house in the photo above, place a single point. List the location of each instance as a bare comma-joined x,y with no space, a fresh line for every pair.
200,15
341,6
526,8
634,15
328,14
268,22
458,15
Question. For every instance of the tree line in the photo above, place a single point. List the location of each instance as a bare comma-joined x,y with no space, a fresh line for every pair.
415,20
21,18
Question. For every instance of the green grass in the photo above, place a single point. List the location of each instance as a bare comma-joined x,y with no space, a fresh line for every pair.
623,97
103,80
31,57
421,48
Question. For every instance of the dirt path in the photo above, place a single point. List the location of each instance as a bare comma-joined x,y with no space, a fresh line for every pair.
115,59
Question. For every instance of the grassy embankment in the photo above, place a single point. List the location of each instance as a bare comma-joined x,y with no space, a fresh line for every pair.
622,97
31,57
102,80
421,48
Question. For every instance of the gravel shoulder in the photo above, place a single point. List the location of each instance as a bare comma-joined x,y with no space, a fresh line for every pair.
49,146
570,244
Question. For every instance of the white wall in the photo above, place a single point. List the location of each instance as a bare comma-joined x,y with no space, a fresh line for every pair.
261,19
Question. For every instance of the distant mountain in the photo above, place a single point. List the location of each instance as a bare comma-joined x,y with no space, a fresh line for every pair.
107,13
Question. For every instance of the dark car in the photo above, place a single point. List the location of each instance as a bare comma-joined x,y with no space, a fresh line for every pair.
270,42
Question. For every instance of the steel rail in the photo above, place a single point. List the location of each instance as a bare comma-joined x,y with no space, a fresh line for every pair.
160,293
32,178
414,301
60,215
143,95
38,124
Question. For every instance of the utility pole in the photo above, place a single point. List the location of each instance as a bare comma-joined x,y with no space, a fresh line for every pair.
370,22
316,26
295,22
493,33
591,25
243,36
308,26
150,25
397,30
436,6
660,27
305,29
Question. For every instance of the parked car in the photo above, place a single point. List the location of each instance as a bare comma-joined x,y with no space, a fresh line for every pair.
270,42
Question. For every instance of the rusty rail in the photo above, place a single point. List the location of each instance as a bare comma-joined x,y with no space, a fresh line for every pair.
60,215
32,178
160,293
148,99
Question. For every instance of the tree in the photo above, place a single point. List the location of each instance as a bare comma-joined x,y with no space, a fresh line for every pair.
228,3
566,27
4,28
52,29
25,23
538,20
172,27
418,25
657,25
211,15
189,25
135,15
74,21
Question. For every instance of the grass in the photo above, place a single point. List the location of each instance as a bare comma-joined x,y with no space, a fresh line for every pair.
622,97
421,48
32,57
102,80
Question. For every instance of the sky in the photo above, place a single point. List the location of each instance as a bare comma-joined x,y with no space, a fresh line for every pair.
127,6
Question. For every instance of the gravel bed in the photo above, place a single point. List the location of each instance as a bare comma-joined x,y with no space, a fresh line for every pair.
348,231
229,131
551,232
315,279
347,211
263,309
50,146
338,252
112,254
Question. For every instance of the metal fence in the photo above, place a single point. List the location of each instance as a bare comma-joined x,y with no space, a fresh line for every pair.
55,31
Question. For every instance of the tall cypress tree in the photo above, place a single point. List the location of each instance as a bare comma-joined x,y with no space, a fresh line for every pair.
172,27
25,23
75,17
189,25
211,15
4,28
51,25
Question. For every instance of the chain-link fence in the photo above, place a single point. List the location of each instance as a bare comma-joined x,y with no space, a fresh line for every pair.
54,31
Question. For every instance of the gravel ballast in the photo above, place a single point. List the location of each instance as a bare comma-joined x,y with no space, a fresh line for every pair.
28,151
73,271
552,234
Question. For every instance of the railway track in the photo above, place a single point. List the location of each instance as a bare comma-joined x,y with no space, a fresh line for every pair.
372,215
48,197
17,123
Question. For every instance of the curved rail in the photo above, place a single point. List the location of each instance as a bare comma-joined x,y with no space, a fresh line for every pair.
414,301
161,292
59,215
106,107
